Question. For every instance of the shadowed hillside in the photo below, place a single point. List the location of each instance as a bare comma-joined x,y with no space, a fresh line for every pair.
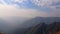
43,28
40,25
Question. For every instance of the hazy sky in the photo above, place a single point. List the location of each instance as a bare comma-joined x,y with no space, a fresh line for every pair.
30,8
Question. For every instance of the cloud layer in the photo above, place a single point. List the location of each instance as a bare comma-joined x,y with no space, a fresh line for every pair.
19,1
11,10
48,3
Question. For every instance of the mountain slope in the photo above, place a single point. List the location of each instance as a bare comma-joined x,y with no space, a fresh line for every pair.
38,20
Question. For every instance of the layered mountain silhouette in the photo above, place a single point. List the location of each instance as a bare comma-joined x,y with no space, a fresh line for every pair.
40,25
53,28
37,20
25,25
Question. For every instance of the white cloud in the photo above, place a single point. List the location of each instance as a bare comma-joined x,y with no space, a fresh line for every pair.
19,1
3,2
12,2
47,3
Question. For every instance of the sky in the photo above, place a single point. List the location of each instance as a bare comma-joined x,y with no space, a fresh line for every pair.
30,8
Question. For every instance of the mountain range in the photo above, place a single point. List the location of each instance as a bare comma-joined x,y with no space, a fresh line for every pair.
13,23
37,20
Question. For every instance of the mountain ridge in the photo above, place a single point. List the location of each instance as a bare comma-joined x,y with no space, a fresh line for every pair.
37,20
